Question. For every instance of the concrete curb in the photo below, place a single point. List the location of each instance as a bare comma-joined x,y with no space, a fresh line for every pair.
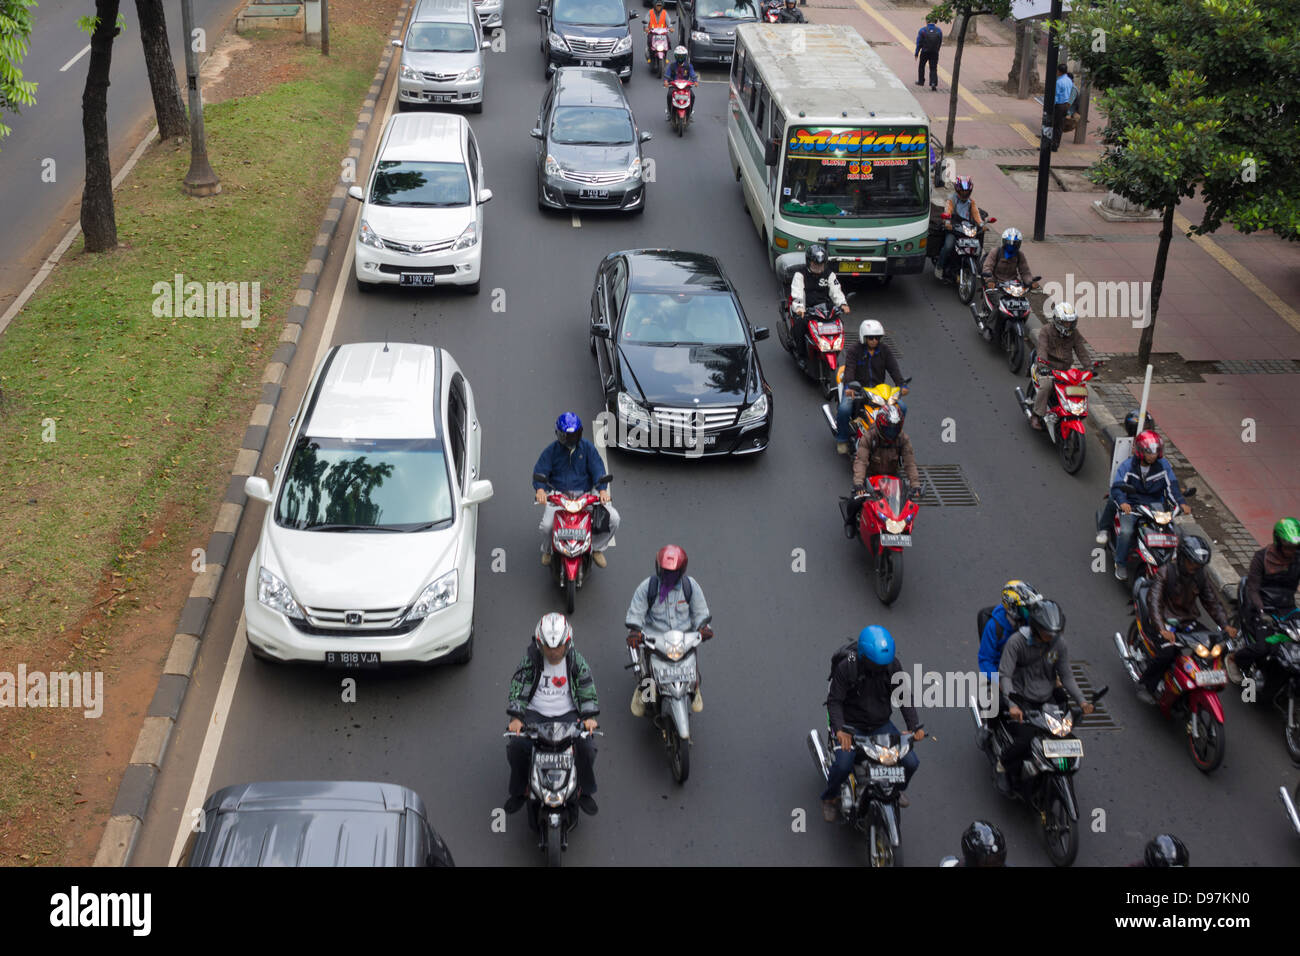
136,789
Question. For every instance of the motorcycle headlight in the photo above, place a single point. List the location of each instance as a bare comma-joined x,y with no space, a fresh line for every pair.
468,237
557,42
473,73
755,412
438,595
368,237
1202,650
632,411
623,45
895,527
409,74
634,170
572,505
276,595
699,36
1163,517
1061,727
552,167
887,755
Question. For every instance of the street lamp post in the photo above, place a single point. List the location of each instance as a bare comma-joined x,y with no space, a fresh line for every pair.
200,180
1049,114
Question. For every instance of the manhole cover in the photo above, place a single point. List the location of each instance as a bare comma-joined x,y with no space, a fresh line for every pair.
946,486
1099,719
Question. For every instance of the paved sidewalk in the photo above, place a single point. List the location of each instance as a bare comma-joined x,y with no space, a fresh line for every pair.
1227,343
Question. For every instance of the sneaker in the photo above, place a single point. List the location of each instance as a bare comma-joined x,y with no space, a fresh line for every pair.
514,803
697,703
920,83
1145,695
938,273
1121,572
830,812
638,705
934,89
587,804
903,801
1102,537
546,559
841,448
599,558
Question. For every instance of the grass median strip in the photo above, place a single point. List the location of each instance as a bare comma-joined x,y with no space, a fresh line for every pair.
126,382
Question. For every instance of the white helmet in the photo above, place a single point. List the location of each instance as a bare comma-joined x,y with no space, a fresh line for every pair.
553,631
1011,234
1064,318
870,328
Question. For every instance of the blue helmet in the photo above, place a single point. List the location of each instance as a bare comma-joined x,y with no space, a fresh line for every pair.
568,430
876,645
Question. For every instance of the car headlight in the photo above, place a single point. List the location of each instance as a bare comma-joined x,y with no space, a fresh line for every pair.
623,45
632,411
468,237
368,237
557,42
473,73
438,595
409,73
755,413
276,595
634,170
699,36
552,167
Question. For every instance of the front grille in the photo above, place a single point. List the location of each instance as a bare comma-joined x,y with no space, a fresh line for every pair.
583,47
716,417
376,622
440,77
433,270
592,179
418,248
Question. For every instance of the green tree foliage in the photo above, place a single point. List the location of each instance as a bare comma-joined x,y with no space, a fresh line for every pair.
15,30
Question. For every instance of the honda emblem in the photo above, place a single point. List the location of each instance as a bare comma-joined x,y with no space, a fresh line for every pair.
354,618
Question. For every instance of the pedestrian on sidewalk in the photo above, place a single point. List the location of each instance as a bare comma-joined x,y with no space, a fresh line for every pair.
1063,105
928,41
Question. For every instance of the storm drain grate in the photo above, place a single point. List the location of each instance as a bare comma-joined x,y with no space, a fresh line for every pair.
946,486
1099,719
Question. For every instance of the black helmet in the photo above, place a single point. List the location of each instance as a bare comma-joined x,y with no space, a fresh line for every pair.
1194,548
982,845
1047,617
816,254
1131,423
1166,850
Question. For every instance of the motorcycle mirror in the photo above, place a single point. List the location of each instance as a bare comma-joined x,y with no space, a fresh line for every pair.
946,215
1101,693
1036,278
1190,493
991,219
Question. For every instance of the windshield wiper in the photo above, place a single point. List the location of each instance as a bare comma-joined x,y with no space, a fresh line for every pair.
347,527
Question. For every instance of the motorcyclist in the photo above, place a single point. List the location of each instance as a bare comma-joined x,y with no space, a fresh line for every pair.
960,206
571,463
860,697
811,286
1007,617
551,683
1172,596
886,450
655,19
1058,346
982,844
791,13
679,69
865,362
1270,590
1166,850
1033,660
1144,478
1005,261
668,600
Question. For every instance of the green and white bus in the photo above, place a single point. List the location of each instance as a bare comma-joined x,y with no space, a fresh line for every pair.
829,146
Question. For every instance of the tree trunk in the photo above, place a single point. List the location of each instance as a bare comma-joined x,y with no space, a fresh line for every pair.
956,76
167,103
97,219
1157,283
1013,78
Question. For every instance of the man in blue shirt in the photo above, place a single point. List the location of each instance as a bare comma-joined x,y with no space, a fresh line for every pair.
928,40
1007,617
1064,104
571,463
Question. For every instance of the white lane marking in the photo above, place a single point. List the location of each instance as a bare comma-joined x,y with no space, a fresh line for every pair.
211,741
84,51
577,223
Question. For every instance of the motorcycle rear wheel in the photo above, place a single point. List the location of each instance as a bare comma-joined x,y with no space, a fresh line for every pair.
679,756
1291,732
657,66
966,283
887,575
1073,451
554,847
680,123
1060,835
1015,349
1208,747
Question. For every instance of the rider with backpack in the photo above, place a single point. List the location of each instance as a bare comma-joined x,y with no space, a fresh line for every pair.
668,600
999,622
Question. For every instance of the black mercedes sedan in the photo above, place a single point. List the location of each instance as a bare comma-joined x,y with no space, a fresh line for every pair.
677,357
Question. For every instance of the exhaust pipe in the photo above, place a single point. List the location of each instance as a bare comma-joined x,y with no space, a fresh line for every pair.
1121,646
975,712
830,417
1024,402
1290,808
818,754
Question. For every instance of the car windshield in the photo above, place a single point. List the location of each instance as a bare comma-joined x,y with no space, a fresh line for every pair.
731,9
595,13
441,38
591,126
665,318
342,484
823,179
401,183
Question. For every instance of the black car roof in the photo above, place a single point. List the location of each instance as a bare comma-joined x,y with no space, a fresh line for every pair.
587,85
672,270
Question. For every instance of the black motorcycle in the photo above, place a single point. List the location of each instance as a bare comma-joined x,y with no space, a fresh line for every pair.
967,254
1275,678
1046,777
553,784
1013,308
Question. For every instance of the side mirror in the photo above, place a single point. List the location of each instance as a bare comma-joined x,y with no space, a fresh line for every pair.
541,11
486,45
632,16
536,132
484,195
646,137
600,331
948,861
356,193
478,492
397,43
760,333
771,152
257,489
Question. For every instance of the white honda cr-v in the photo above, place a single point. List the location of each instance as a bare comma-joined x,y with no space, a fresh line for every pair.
366,555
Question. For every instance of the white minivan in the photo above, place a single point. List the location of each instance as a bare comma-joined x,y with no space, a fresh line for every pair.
442,56
422,208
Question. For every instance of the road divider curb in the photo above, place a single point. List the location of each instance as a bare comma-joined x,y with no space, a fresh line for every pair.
135,791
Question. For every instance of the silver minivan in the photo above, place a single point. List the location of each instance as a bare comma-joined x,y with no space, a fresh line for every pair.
442,56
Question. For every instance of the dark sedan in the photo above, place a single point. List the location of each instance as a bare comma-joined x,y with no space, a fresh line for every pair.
677,357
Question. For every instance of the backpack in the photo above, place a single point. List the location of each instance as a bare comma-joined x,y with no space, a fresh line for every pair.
652,589
985,615
849,652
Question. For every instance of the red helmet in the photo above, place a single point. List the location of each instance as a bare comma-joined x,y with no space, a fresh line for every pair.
670,558
1149,443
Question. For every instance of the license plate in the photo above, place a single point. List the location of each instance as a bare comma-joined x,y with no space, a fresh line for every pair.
591,62
593,193
856,266
1211,678
725,58
710,440
362,660
896,540
673,675
887,774
967,247
416,278
440,97
1162,540
550,761
1062,748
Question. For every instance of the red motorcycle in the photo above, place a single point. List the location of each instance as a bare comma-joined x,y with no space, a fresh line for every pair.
658,49
571,538
683,103
885,527
772,12
1190,689
821,345
1066,412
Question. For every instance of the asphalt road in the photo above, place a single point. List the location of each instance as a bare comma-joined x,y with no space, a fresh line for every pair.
740,521
51,128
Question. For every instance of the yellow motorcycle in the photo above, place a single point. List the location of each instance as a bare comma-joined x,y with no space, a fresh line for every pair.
869,401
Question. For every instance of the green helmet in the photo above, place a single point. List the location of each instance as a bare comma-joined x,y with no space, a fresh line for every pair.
1287,531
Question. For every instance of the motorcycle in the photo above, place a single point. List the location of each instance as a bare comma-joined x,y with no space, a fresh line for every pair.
1290,804
1155,537
884,526
1279,672
967,253
869,797
571,538
867,402
658,49
553,784
772,12
1046,776
668,676
1190,688
1013,306
683,102
821,344
1065,413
